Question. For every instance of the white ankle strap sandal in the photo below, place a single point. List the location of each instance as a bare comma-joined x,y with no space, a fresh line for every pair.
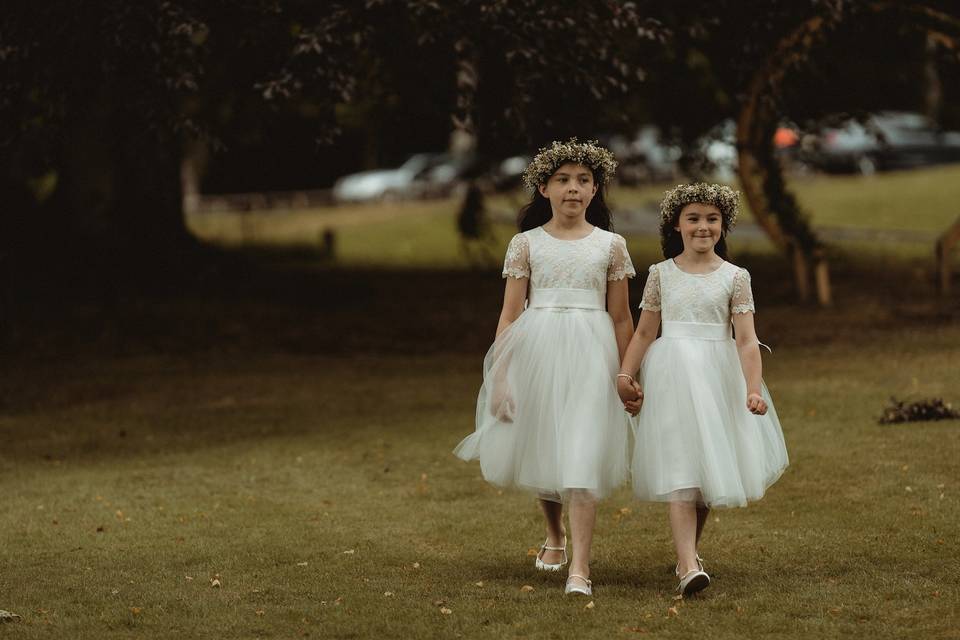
544,566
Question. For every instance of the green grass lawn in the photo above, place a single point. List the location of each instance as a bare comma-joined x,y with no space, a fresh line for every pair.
321,492
284,426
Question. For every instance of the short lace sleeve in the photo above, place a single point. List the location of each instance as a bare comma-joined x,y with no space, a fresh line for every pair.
517,262
620,266
651,291
742,299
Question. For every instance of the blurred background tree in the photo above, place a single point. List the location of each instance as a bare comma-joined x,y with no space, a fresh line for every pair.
102,101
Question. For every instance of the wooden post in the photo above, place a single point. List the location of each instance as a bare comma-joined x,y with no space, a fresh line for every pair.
945,243
801,275
821,273
328,244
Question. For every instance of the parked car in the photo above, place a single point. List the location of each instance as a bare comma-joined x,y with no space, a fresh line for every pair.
422,175
884,141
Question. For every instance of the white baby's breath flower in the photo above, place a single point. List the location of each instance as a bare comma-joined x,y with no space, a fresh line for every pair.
588,153
720,196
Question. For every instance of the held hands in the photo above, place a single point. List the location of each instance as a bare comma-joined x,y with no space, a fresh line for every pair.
756,404
630,394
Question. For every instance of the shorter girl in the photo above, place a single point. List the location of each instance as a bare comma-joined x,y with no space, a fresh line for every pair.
707,435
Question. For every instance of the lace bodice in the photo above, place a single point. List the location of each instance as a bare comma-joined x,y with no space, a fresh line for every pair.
551,263
687,297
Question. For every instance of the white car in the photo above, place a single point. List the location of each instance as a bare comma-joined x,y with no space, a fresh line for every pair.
385,184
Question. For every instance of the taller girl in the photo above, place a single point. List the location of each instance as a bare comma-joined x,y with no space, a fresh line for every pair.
548,416
707,435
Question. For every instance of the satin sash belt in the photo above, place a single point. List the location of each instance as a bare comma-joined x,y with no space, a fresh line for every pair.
566,299
698,330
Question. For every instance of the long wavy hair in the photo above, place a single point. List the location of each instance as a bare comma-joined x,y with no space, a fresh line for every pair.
538,211
672,242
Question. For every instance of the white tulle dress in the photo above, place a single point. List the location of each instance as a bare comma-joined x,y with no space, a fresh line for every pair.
695,437
553,371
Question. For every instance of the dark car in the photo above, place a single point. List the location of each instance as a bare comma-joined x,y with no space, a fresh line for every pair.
884,141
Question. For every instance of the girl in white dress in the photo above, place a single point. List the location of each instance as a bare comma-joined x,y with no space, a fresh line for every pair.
707,434
548,416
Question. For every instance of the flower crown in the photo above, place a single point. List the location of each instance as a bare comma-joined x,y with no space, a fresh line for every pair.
588,153
720,196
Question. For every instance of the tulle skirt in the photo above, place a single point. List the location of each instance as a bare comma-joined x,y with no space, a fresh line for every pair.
549,419
695,438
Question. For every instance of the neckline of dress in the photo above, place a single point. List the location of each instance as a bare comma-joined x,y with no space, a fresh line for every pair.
549,235
699,275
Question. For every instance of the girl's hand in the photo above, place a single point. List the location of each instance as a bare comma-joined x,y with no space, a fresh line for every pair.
630,394
502,406
756,404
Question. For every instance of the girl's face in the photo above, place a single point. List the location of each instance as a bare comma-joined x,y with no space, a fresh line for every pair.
701,226
570,190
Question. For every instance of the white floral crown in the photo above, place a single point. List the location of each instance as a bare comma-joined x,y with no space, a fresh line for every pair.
588,153
720,196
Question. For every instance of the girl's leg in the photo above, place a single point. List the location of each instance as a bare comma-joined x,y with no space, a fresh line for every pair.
583,517
683,523
703,511
553,514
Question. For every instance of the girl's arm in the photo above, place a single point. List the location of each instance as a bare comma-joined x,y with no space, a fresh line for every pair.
643,337
514,295
748,347
618,306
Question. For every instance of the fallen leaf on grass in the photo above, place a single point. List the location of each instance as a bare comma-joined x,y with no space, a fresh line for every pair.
834,610
215,581
589,605
445,611
349,552
532,553
672,611
301,564
135,610
439,603
479,584
188,578
416,565
526,588
260,612
388,594
114,592
624,510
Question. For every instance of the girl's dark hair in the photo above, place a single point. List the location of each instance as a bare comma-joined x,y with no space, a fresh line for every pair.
538,211
672,243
